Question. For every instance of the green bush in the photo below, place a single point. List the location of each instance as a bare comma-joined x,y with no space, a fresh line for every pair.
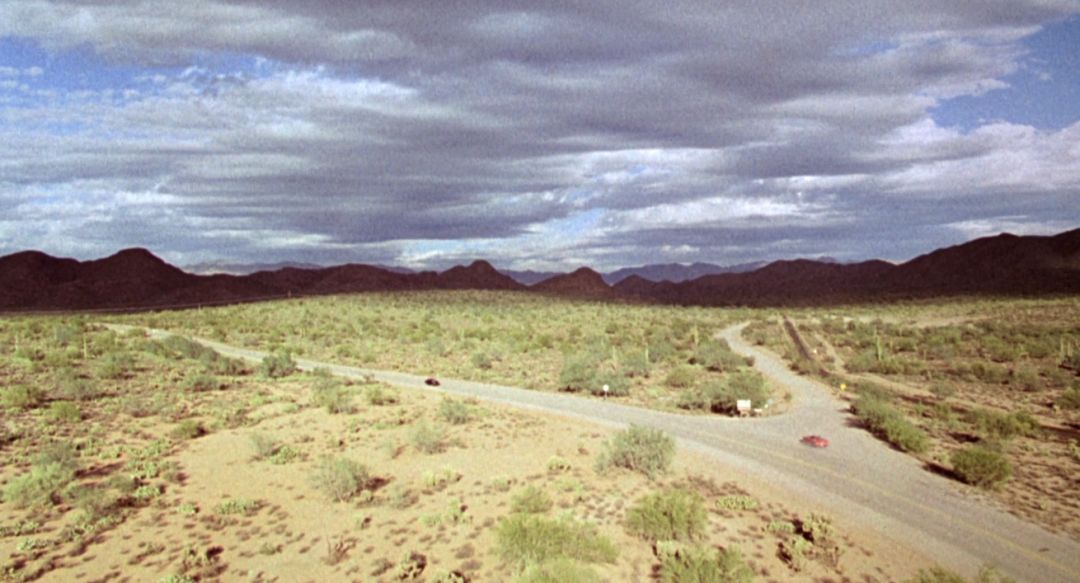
340,478
428,438
115,365
981,466
640,449
64,412
558,571
578,372
617,385
531,500
942,575
71,386
277,365
22,397
379,395
889,424
328,393
682,376
1070,399
998,425
669,515
454,412
482,360
202,382
52,469
716,355
527,539
691,564
188,429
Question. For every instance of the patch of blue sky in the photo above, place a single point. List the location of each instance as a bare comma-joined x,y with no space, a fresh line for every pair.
1043,93
82,69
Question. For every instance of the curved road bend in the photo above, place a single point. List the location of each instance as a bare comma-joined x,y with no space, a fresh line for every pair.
857,477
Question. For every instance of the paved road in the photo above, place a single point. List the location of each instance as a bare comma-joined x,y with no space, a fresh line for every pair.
857,478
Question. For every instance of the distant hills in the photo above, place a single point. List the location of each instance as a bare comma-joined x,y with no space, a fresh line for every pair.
135,278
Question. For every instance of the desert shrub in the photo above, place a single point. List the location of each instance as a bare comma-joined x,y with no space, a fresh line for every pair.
942,575
558,571
454,412
889,424
716,355
482,360
998,425
237,506
379,395
989,373
736,502
1070,399
115,365
942,390
340,478
202,382
70,386
682,376
578,372
188,429
52,469
328,393
22,397
617,384
263,445
904,435
635,364
64,412
981,466
527,539
277,365
661,350
669,515
691,564
640,449
428,438
531,500
1026,378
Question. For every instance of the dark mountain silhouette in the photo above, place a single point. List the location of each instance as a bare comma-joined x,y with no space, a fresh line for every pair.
582,283
677,272
133,278
478,275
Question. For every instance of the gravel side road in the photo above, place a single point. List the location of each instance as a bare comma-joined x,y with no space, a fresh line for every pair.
857,478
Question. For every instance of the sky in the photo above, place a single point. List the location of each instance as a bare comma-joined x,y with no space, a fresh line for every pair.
537,135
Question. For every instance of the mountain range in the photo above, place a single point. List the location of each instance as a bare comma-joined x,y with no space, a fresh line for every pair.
135,278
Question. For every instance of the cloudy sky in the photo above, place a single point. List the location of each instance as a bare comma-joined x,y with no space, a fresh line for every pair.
540,135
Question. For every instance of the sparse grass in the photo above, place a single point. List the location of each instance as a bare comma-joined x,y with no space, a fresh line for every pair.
454,412
237,506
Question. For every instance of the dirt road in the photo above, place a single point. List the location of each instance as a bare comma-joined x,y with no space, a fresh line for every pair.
857,478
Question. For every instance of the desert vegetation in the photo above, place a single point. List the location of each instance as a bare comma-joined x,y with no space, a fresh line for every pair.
654,356
982,391
165,461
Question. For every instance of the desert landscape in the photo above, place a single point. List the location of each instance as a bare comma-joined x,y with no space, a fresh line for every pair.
691,291
280,441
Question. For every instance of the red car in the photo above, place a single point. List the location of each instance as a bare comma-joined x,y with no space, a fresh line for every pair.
431,382
815,441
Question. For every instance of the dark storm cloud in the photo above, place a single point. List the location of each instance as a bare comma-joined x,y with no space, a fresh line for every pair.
698,130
